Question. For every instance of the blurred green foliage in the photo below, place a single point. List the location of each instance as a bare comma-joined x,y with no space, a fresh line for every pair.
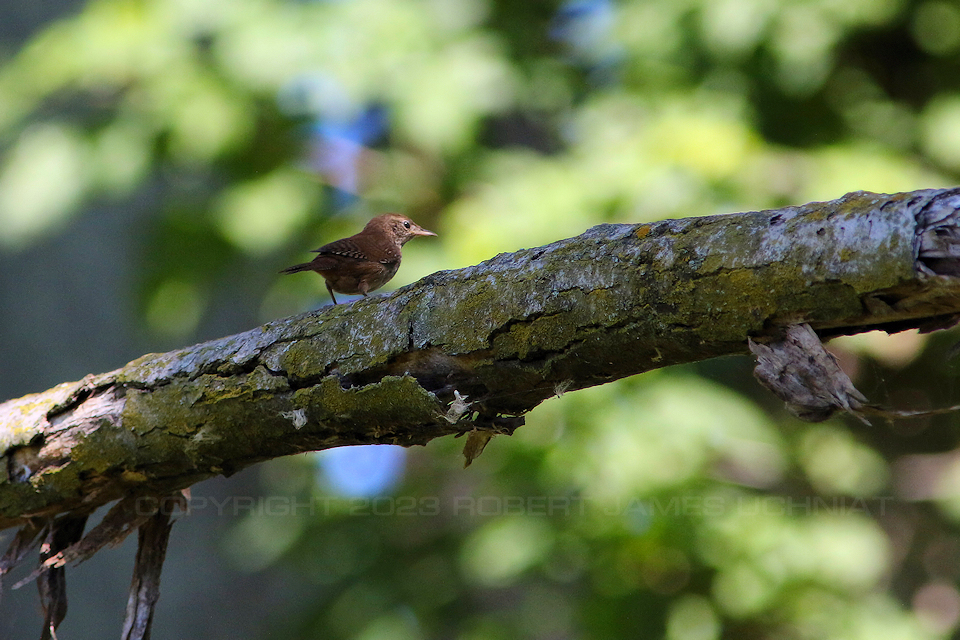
683,504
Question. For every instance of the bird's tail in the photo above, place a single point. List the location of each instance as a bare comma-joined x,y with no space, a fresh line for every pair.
303,266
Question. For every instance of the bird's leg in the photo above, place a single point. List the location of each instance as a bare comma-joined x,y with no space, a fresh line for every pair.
333,297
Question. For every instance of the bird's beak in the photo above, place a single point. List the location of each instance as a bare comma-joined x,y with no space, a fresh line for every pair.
420,231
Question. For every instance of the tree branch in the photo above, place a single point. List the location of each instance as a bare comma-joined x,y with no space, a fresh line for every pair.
506,334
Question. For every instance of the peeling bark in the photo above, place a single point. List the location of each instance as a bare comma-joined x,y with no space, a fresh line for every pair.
508,333
152,539
798,370
52,584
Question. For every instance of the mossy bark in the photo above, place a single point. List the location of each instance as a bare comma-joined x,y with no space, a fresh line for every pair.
615,301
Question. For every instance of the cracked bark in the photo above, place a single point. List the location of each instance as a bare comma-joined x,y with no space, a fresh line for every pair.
508,333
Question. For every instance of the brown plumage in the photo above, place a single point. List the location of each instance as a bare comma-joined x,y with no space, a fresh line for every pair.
366,261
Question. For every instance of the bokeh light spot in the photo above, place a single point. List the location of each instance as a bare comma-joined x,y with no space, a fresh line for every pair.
692,618
41,181
936,27
940,130
501,550
361,471
175,308
260,215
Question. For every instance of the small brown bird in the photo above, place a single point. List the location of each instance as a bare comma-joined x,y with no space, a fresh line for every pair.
366,261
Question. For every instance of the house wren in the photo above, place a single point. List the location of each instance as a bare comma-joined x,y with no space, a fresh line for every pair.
366,261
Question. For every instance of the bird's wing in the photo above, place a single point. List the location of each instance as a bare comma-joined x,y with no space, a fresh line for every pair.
349,248
345,247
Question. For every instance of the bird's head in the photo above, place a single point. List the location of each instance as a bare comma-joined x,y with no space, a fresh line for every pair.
398,226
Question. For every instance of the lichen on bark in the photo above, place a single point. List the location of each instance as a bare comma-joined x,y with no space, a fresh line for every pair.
618,300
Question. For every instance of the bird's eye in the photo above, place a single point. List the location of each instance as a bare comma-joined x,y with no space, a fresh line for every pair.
406,224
